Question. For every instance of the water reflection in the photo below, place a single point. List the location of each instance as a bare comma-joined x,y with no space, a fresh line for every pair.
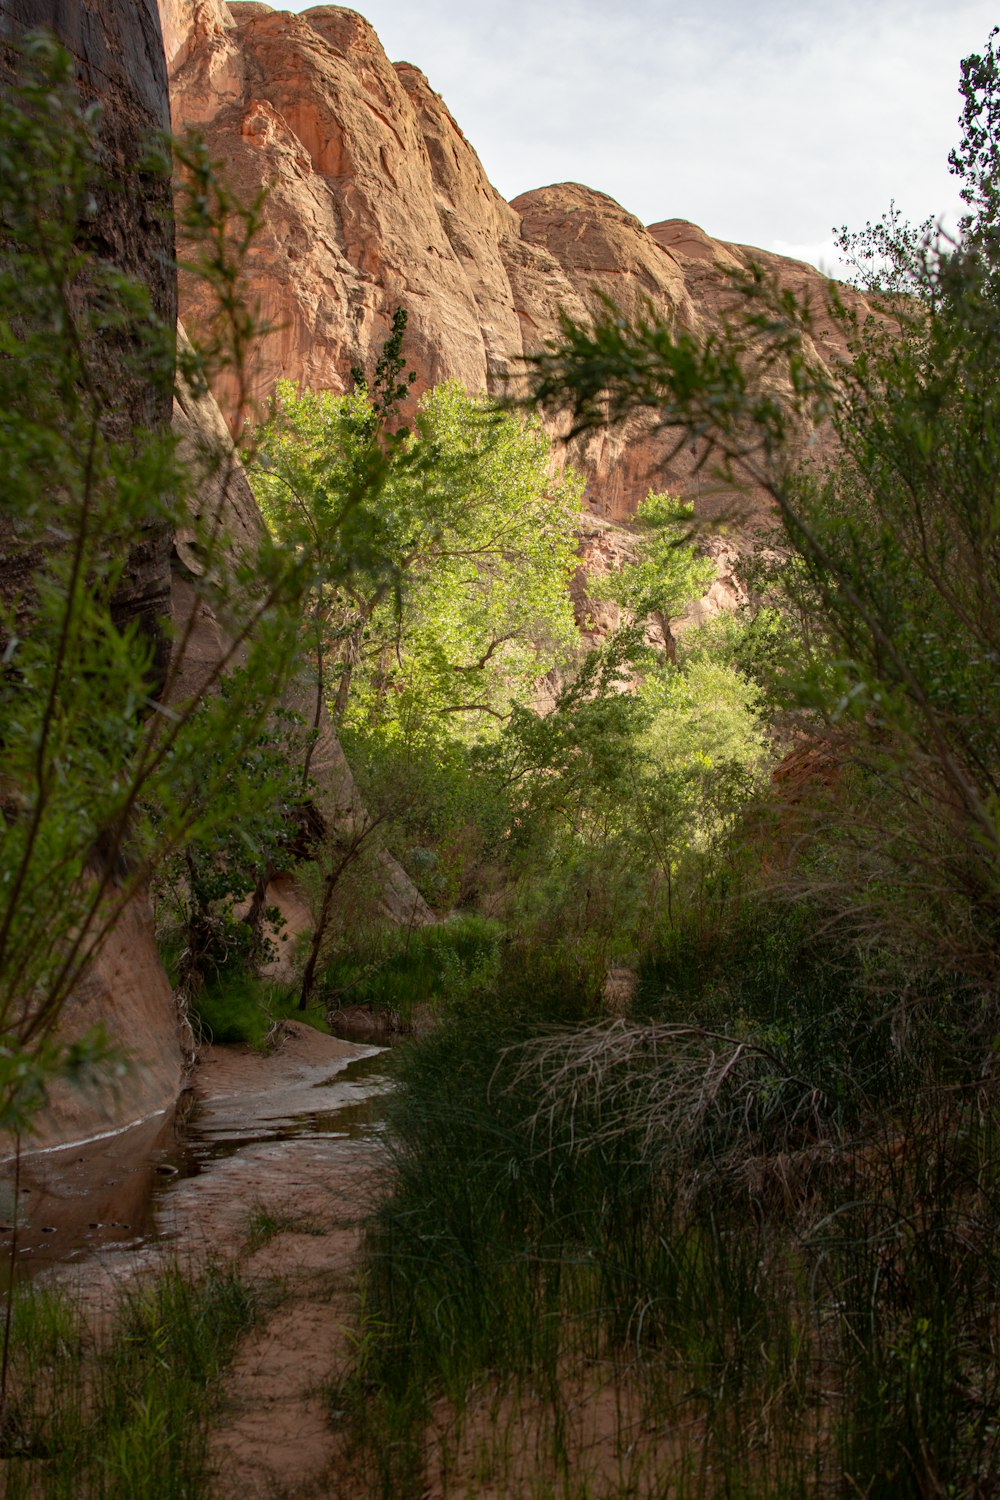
80,1199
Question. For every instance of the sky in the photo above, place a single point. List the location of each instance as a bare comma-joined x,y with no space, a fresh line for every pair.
767,122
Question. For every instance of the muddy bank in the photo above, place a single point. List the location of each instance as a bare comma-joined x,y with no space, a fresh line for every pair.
272,1163
187,1174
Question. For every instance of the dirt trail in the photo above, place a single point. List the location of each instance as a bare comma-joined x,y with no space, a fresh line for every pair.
304,1200
288,1207
275,1437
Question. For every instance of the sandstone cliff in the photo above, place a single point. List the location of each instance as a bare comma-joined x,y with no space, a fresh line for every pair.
119,60
376,200
117,51
118,56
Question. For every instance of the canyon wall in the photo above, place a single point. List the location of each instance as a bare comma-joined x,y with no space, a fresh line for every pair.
117,50
375,200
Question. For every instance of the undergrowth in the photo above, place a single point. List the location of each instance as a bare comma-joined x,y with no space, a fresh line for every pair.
764,1233
122,1415
397,971
235,1006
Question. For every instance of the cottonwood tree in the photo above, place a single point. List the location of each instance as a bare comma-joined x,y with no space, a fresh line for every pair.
455,600
893,549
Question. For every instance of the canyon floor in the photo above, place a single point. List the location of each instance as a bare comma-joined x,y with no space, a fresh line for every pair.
296,1209
289,1160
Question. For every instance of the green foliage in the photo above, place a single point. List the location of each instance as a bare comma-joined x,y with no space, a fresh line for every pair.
622,796
399,971
125,1418
755,641
236,1006
976,159
703,715
900,572
888,259
387,389
448,816
201,886
456,601
108,768
611,737
666,574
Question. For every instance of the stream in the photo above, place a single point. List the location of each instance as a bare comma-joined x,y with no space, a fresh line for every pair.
196,1169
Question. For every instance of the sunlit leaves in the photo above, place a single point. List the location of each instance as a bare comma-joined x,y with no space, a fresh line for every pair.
446,553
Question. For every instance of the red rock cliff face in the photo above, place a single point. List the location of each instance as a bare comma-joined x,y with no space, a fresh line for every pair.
117,50
376,200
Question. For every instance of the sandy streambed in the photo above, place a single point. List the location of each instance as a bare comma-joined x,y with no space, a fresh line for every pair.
272,1160
294,1114
306,1169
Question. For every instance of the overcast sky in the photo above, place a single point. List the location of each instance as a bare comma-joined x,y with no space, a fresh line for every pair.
766,122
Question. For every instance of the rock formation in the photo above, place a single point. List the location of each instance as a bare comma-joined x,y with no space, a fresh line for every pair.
126,993
375,200
119,60
118,54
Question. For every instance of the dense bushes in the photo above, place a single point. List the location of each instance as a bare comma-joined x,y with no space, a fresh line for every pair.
399,972
760,1208
761,1197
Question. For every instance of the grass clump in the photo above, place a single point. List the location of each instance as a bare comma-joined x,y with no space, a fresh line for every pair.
123,1416
753,1219
264,1225
234,1006
396,971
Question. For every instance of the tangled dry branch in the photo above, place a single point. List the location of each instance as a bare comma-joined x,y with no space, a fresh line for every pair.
682,1094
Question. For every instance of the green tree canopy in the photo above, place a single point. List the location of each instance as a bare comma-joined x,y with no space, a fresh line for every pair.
456,599
892,551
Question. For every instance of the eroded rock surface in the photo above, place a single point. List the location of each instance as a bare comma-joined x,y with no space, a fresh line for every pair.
128,994
118,57
376,200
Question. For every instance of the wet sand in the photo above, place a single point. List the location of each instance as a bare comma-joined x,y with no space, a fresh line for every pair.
286,1144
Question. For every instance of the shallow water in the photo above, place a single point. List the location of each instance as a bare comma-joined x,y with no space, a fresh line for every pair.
113,1194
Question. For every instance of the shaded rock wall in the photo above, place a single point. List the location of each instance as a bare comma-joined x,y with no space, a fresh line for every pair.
118,52
128,994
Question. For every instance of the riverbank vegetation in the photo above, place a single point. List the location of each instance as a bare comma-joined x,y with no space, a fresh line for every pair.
730,1227
693,1182
124,1411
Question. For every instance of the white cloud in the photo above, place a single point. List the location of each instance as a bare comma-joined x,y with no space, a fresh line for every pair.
820,253
765,124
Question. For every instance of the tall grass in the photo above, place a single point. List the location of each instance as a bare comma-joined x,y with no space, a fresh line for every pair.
397,971
235,1006
124,1415
769,1226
